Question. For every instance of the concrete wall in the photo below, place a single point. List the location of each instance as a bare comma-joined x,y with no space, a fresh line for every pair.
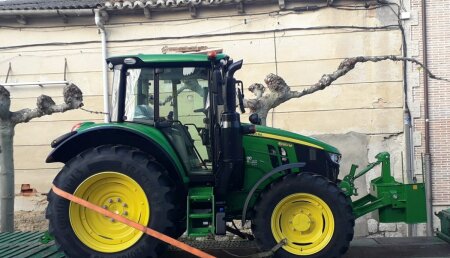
361,114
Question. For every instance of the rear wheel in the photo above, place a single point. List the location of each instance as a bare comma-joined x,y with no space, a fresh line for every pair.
309,212
124,181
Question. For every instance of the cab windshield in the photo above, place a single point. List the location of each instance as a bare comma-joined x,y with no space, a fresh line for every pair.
181,92
181,97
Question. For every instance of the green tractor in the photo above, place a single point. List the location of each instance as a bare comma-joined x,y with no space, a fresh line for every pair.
176,158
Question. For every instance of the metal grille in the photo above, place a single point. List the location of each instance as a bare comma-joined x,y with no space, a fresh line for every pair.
26,244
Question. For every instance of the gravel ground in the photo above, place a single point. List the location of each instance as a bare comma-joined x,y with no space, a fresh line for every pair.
30,221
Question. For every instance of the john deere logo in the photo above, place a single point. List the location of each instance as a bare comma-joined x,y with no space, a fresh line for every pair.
285,144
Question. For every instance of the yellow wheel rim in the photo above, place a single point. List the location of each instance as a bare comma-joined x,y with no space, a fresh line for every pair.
305,221
117,193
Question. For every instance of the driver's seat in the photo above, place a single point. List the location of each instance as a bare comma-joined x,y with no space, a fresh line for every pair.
183,143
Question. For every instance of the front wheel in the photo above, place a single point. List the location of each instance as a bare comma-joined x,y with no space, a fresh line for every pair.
120,179
309,212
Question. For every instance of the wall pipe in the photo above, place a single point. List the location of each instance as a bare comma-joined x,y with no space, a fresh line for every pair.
427,156
100,22
41,84
408,125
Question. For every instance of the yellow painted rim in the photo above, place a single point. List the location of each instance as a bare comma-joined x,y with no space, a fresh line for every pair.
305,221
118,193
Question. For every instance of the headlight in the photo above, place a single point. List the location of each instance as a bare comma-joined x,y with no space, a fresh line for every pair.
336,158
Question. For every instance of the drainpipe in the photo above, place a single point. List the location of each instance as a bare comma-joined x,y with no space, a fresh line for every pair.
408,126
100,22
409,153
427,155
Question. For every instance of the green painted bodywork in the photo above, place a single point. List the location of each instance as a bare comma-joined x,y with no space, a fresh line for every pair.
173,58
149,131
444,233
295,136
256,164
197,218
257,160
178,58
395,201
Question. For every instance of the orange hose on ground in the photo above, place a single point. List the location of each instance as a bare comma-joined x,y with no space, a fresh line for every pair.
146,230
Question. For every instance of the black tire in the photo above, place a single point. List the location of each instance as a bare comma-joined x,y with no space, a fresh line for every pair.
181,216
313,184
150,175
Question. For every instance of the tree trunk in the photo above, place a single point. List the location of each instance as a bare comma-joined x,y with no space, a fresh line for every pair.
73,99
6,177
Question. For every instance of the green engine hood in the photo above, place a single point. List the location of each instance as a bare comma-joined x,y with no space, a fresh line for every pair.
285,136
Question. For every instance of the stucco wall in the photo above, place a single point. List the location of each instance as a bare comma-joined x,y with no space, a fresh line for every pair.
368,101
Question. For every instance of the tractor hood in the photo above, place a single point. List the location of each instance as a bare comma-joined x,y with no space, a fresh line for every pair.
285,136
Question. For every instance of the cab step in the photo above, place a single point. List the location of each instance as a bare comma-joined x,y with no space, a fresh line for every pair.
200,210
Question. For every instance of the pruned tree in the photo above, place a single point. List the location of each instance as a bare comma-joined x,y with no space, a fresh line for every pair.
279,92
73,99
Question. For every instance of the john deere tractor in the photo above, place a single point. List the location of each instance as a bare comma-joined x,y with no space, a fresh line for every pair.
176,158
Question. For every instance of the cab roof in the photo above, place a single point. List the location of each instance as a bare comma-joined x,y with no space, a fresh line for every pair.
165,58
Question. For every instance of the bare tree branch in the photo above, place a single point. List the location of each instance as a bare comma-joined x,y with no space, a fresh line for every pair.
349,64
73,99
279,91
169,98
191,84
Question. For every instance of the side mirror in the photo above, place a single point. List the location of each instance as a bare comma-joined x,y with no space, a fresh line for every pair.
254,119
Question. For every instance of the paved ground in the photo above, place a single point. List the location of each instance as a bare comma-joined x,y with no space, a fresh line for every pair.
419,247
422,247
29,245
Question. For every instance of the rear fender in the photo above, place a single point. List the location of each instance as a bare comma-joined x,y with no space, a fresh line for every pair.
74,144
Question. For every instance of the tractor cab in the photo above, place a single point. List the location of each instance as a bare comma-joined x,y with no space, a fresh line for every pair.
172,99
193,103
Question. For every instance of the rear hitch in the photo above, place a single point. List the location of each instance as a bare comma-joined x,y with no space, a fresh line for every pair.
394,201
